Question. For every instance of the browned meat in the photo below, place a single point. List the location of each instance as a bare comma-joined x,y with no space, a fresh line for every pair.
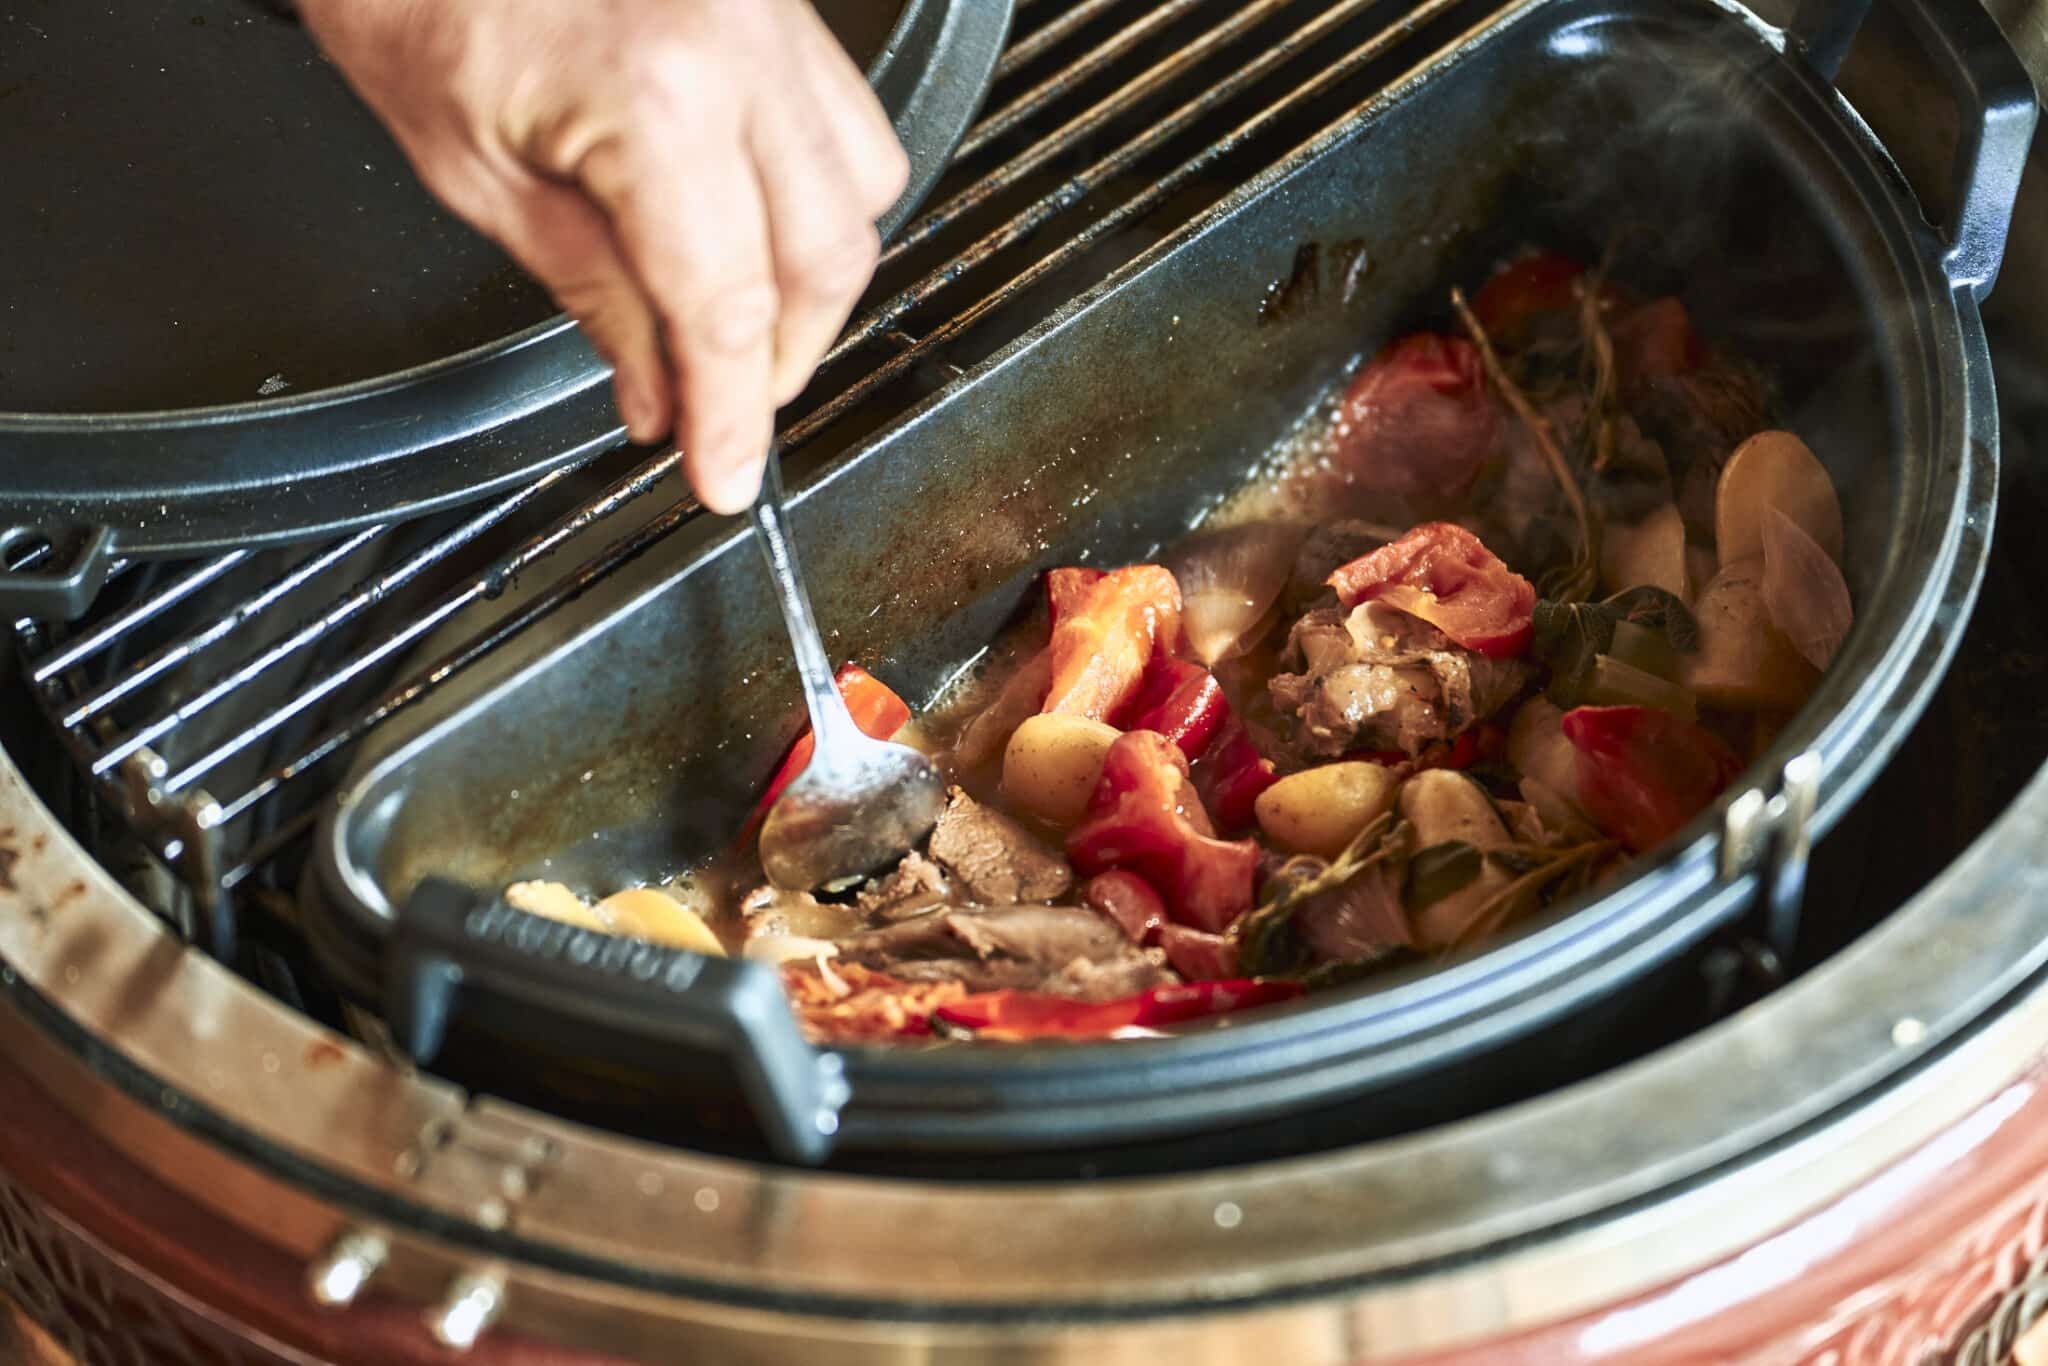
995,860
915,885
1063,950
1378,679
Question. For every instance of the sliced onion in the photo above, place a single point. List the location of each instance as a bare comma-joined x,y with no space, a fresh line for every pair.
786,948
1230,581
1803,590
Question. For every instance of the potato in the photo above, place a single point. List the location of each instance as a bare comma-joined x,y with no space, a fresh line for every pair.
1538,749
1321,810
1442,805
1052,763
1700,566
1650,552
1774,469
552,901
657,917
1744,663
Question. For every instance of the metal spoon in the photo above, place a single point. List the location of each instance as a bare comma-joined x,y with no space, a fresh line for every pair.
861,803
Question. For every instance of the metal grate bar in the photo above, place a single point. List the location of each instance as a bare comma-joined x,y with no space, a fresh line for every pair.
566,590
1075,130
1098,58
423,623
118,626
345,609
1341,69
1072,191
171,656
1029,49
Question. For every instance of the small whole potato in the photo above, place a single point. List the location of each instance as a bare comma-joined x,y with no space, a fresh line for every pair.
1052,764
1774,470
657,917
1539,749
1442,806
1321,810
1744,663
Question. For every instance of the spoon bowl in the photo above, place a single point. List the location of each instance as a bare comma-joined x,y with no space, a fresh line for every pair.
861,803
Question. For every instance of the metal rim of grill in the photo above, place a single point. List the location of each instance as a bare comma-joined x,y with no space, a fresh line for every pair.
367,1167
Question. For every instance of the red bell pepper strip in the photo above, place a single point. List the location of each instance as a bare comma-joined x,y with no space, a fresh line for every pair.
1146,816
1129,900
1444,575
1181,701
1231,775
1020,1015
1643,773
1106,630
876,710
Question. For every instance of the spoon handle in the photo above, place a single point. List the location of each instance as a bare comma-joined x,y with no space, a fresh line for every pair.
830,720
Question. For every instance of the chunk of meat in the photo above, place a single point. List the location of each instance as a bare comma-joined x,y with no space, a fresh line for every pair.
997,861
1062,950
1417,421
1378,679
914,885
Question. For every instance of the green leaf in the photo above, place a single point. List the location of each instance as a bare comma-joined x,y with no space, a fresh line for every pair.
1342,970
1267,945
1658,610
1439,870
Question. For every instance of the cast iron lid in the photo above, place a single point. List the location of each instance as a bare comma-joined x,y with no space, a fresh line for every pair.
231,313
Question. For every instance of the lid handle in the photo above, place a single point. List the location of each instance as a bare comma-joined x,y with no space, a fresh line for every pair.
449,941
1999,111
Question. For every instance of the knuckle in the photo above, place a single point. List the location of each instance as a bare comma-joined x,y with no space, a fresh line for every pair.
736,318
838,266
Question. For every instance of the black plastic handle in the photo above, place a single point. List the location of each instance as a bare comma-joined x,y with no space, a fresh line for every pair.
450,941
1999,111
52,575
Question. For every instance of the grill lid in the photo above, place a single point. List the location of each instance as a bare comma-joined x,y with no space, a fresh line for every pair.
234,315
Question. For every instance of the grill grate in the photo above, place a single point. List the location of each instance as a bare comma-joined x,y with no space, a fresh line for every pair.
203,700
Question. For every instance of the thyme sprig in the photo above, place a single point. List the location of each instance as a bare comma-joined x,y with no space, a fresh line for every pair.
1583,573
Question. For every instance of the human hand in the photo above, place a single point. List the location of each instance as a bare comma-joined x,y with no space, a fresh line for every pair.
695,181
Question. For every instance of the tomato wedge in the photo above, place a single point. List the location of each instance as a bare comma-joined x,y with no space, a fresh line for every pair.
1145,816
1015,1015
1444,575
1231,774
1643,773
876,709
1106,628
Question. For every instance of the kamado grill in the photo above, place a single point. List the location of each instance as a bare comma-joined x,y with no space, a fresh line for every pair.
285,1081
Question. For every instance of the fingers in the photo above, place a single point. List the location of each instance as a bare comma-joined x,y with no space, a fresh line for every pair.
867,141
566,243
696,236
825,246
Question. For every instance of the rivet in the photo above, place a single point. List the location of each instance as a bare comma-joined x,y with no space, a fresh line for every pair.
346,1267
472,1304
1908,1032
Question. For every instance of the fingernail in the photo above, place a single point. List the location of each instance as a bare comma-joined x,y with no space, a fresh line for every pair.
734,487
637,411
